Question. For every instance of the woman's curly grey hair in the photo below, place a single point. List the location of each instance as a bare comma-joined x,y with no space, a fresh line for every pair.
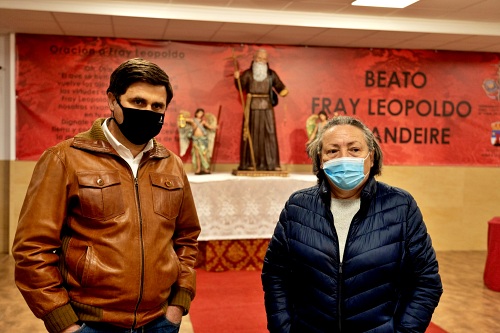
315,147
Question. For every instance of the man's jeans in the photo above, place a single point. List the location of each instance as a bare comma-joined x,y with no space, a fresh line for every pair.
160,325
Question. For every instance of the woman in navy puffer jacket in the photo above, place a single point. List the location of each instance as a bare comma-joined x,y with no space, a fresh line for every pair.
351,254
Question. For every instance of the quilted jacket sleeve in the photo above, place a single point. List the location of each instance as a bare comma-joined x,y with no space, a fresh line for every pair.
274,279
422,297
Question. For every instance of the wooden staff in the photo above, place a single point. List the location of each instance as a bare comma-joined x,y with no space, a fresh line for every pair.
217,139
246,113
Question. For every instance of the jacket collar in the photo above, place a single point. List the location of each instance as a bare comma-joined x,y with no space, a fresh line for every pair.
95,140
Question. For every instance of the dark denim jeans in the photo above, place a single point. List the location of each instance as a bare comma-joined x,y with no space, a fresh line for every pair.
160,325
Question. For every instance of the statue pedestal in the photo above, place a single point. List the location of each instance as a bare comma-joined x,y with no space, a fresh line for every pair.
260,173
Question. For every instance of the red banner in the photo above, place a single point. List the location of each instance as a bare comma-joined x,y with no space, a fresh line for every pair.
426,107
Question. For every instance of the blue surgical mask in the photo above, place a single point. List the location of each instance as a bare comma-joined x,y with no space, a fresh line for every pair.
346,173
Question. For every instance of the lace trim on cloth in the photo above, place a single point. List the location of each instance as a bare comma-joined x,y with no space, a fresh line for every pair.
231,207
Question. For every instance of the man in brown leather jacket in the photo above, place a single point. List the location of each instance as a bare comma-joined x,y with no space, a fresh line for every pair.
107,236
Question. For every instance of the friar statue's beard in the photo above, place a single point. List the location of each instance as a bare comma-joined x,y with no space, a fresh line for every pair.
259,70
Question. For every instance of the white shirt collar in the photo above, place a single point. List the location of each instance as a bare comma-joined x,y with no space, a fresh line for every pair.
123,151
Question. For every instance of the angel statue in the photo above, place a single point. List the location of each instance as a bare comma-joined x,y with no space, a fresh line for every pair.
200,130
314,124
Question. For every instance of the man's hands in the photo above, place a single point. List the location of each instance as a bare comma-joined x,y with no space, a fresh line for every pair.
71,329
174,314
236,75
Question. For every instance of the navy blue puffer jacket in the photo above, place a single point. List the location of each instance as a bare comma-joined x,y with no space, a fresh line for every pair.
388,280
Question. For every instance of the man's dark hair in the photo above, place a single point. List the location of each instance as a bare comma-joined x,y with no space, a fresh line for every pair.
138,70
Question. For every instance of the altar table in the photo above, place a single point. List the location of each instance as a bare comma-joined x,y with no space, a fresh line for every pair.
238,215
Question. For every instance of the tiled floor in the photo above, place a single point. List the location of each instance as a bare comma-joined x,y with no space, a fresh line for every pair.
466,306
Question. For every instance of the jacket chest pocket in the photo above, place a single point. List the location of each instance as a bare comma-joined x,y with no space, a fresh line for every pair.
100,194
167,194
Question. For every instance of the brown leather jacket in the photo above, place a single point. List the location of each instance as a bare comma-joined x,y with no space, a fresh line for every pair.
96,244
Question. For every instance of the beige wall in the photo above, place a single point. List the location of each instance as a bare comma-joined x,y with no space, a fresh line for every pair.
457,202
20,176
4,206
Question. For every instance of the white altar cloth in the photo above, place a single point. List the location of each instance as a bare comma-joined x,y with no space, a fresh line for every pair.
238,207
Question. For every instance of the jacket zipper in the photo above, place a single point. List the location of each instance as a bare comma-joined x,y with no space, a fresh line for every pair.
136,183
339,298
141,291
341,275
339,309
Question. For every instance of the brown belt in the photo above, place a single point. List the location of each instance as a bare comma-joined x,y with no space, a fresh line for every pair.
260,95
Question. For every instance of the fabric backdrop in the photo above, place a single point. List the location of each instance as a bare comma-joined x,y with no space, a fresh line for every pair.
426,107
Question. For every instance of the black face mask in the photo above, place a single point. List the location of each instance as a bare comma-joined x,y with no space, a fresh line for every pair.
139,126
